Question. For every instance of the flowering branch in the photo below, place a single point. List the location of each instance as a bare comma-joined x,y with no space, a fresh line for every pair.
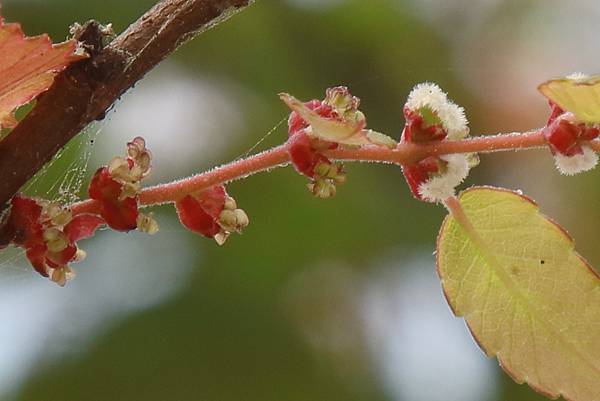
404,153
434,151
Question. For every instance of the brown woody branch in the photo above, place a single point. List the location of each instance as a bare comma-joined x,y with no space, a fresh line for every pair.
86,90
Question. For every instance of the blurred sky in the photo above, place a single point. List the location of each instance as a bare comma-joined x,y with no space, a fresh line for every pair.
318,300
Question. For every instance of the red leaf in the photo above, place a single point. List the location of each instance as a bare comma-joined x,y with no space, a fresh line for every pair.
28,66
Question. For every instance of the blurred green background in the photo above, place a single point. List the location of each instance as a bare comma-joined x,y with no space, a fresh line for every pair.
318,300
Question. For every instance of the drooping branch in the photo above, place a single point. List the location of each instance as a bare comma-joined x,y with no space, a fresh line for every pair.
85,91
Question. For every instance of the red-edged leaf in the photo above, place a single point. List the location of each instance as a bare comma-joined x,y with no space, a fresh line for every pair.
28,66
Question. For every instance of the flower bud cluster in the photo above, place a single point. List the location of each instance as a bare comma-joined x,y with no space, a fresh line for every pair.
48,233
320,125
431,117
116,187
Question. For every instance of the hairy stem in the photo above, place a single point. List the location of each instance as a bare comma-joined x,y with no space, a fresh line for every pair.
404,153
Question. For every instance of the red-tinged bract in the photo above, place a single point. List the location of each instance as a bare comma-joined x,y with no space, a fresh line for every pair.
211,213
418,131
565,135
120,213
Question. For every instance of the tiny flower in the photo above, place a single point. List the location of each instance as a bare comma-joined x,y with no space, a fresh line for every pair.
211,213
431,117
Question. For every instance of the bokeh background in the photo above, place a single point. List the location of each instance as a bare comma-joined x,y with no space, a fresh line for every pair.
318,300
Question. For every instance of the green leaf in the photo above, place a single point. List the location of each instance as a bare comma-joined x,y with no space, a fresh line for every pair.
578,94
526,295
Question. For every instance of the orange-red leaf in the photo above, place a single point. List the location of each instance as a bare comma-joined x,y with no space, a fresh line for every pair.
28,66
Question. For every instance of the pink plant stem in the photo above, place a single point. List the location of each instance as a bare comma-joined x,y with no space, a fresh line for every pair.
404,153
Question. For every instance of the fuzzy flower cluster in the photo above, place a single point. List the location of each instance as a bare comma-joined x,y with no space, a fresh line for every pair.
430,117
319,125
211,213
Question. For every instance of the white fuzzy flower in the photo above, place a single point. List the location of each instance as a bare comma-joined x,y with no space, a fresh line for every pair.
442,186
426,94
451,116
571,165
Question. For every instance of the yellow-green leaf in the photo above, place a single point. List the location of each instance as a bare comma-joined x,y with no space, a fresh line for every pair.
578,94
28,66
526,295
345,132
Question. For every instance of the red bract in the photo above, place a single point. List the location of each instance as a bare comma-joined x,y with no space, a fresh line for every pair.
418,131
82,226
565,135
303,154
120,214
200,212
420,172
211,213
195,218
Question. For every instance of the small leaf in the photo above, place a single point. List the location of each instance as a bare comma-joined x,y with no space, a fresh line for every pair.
526,295
345,132
28,66
578,94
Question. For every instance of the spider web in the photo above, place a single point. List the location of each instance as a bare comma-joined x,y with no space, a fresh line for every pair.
59,180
